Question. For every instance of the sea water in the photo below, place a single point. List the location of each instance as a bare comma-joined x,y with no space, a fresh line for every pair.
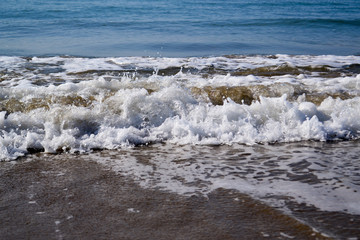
77,104
178,28
258,96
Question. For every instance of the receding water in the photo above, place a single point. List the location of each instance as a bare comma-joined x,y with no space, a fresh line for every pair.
319,183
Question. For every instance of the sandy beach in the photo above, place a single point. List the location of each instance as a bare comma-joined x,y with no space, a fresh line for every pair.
63,197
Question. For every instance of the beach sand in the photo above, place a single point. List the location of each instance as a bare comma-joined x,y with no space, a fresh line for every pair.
64,197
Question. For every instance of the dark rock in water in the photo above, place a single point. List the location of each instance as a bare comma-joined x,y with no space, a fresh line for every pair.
352,68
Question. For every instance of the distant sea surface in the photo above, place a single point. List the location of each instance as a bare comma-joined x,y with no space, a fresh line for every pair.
172,28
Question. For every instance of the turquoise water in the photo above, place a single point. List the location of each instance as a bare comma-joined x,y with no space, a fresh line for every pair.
178,28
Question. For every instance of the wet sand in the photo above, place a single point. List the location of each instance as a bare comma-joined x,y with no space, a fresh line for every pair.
64,197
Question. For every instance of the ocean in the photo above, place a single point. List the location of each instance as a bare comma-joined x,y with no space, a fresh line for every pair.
178,28
189,97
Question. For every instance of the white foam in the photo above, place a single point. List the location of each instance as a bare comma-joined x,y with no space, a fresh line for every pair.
122,112
132,116
75,64
200,170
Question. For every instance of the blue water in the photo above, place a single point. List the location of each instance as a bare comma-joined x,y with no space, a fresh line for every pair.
179,28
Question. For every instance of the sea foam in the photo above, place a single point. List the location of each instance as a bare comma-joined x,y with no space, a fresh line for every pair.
78,104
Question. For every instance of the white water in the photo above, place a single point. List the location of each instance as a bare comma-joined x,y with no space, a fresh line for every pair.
79,112
276,174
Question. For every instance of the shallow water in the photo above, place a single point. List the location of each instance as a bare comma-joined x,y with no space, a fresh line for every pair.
64,196
318,183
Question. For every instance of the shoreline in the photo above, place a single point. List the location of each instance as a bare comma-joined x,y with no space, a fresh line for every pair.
65,197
